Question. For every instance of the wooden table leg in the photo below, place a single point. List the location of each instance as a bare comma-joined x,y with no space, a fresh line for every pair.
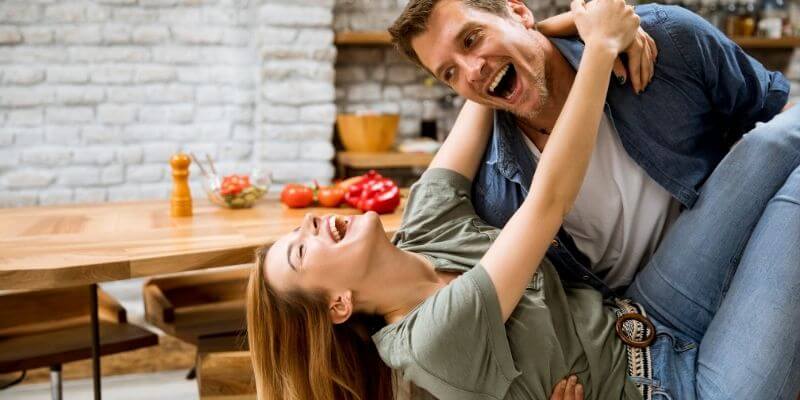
95,340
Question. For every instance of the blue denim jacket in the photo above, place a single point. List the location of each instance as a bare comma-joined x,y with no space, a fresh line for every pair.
705,94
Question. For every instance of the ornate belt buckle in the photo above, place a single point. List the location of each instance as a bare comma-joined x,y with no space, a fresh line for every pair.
630,341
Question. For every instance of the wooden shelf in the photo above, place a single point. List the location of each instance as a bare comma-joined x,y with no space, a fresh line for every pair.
764,43
382,38
363,38
388,159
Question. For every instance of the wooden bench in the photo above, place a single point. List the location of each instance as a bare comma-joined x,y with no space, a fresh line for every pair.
52,327
225,375
198,304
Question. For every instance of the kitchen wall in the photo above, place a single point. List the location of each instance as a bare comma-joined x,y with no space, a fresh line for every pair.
96,95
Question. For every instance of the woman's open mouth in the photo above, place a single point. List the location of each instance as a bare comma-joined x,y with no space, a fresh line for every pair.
504,83
337,227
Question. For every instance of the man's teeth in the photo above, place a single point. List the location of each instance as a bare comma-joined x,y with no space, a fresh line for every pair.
332,225
498,78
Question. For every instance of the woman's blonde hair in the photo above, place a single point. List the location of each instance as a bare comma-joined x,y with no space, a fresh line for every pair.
299,354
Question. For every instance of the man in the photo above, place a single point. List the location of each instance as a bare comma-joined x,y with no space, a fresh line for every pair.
655,148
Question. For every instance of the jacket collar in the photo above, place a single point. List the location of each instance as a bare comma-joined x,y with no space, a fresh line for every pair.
507,150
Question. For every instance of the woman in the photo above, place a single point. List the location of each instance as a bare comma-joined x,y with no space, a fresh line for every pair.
469,312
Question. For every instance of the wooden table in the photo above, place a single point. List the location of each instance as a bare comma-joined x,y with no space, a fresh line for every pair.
48,247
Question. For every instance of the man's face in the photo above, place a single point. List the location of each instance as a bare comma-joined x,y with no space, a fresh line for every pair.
494,60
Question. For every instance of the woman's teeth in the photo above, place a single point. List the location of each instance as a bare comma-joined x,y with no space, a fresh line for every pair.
337,228
498,78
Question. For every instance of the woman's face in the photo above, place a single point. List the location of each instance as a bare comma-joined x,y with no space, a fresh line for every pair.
329,253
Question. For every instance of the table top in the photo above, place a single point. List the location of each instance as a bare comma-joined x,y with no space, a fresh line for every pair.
46,247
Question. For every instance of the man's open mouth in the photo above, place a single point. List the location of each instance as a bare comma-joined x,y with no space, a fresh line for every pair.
504,82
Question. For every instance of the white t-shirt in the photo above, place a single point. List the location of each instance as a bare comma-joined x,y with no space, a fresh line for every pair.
620,214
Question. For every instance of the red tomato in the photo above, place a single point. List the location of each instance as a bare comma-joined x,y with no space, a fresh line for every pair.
234,184
330,196
297,196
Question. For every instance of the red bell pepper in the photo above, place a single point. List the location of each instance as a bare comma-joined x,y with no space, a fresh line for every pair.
373,193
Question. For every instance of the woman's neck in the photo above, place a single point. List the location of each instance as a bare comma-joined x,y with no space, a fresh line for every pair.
398,283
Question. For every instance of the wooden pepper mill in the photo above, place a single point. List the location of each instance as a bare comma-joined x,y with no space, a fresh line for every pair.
181,201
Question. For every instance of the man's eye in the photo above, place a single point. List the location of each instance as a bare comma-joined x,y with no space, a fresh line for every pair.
470,39
448,75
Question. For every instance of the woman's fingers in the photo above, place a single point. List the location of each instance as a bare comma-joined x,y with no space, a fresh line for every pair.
647,66
619,71
634,64
653,53
577,6
568,389
558,391
578,392
569,392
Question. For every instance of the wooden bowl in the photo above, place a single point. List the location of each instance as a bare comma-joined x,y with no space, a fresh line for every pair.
367,133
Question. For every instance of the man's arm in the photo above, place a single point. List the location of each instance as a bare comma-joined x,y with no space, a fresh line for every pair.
463,149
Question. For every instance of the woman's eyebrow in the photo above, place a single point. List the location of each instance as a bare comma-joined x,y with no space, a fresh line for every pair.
289,256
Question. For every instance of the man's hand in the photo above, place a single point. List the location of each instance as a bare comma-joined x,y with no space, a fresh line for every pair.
642,54
568,389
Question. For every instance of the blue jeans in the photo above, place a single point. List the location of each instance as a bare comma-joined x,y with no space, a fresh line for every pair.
724,286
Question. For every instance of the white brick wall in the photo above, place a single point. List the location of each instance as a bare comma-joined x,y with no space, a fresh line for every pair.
96,95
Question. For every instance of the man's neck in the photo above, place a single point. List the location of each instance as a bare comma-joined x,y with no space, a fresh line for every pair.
561,75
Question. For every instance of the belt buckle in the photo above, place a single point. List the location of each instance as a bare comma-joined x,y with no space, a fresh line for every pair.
627,339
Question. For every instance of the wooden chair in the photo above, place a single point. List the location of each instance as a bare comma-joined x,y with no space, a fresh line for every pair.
52,327
198,304
224,373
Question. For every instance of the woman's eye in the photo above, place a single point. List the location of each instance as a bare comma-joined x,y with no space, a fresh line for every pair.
302,251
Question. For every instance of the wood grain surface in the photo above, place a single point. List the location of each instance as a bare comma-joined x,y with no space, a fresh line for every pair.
47,247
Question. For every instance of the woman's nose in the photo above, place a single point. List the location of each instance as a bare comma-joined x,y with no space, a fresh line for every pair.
308,221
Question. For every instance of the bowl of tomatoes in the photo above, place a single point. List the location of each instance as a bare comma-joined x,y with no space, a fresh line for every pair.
238,190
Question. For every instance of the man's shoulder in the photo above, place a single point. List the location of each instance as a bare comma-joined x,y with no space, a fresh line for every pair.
680,33
672,17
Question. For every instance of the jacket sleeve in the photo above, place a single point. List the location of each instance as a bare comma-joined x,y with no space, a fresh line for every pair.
738,86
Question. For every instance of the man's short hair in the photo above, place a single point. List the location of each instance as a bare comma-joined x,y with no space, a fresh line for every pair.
413,21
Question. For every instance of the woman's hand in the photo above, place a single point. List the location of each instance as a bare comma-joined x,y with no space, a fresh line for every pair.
642,53
568,389
610,25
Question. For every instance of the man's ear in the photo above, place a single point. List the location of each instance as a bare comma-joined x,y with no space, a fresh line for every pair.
341,307
520,12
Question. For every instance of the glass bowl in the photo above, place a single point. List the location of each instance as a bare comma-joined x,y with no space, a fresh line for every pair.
237,195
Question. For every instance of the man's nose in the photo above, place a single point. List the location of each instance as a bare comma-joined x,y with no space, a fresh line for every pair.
476,70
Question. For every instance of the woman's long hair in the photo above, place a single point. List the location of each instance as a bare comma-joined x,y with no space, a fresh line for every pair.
299,354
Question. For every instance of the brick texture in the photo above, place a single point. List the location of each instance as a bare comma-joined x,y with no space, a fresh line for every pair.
96,95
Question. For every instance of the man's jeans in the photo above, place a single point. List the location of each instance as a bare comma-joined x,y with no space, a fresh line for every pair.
724,286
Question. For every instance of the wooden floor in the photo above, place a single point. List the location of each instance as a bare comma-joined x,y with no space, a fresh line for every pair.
154,386
169,355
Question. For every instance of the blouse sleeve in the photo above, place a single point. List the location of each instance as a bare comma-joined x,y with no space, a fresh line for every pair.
454,345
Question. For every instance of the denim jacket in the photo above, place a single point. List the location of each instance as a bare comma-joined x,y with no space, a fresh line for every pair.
705,94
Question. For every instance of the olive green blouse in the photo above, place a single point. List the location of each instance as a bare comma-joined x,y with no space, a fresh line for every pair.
455,344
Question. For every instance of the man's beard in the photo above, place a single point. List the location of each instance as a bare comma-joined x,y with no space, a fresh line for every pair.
540,84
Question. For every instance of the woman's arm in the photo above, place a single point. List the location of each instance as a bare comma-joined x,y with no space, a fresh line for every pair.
607,27
641,52
558,25
464,147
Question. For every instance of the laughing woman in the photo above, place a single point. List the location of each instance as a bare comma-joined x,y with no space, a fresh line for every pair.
467,311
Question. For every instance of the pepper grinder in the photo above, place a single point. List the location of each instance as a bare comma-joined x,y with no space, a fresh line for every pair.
181,201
